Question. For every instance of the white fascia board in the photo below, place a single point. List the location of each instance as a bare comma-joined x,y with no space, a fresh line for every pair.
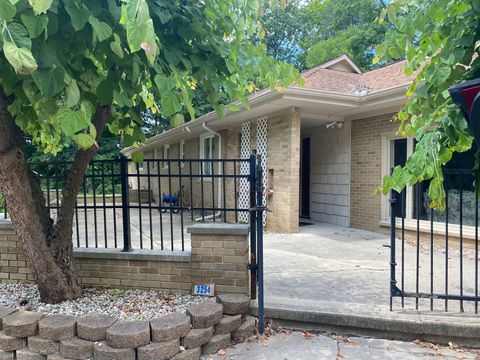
210,117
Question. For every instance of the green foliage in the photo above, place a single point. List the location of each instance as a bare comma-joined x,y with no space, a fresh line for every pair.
439,39
343,27
356,41
286,28
63,59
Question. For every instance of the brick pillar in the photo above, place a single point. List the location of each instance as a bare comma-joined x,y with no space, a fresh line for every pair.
283,166
220,256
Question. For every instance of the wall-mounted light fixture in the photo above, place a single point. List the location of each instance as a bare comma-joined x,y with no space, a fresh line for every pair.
335,124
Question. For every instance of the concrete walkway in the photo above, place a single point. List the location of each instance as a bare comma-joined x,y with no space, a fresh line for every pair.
295,346
341,276
346,266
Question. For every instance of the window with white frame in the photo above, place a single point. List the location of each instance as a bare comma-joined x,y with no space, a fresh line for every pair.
182,152
396,151
166,155
460,190
207,152
414,202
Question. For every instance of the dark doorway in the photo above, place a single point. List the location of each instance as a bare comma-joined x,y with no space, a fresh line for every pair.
305,178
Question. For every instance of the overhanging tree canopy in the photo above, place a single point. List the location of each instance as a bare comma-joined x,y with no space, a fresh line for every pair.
439,39
71,67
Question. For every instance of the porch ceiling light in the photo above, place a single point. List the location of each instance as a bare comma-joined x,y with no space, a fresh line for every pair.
335,124
467,97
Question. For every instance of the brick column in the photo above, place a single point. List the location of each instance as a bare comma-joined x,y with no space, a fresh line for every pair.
220,256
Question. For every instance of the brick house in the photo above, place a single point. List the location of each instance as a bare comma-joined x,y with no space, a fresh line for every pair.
327,145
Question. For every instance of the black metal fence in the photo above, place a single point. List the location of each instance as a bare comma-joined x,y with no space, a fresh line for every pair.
122,204
434,253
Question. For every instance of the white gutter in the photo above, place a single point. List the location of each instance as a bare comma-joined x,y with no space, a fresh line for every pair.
204,125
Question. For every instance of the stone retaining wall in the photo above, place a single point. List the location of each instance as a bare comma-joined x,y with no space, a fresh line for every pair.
219,255
207,328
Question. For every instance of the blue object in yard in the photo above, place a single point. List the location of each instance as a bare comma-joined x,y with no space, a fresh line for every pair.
170,201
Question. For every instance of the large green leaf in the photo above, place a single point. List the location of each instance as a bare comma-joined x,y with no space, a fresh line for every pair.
72,121
21,59
122,99
441,74
136,34
49,81
116,46
79,14
100,29
40,6
138,157
73,94
84,141
164,83
105,90
170,103
7,10
177,120
17,34
34,24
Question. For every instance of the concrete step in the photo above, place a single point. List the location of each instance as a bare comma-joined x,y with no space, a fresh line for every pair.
376,321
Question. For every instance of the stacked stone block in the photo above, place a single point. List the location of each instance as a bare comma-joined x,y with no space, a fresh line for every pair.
207,328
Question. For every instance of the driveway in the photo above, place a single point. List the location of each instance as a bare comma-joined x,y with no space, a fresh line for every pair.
333,267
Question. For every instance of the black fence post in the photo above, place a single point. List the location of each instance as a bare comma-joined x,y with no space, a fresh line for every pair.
393,224
253,237
127,240
259,218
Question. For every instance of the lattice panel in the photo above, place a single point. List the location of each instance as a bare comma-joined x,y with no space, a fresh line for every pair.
245,150
262,150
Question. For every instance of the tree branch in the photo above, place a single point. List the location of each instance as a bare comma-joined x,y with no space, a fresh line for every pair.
63,227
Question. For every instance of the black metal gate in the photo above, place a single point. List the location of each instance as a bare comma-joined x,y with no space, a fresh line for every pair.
256,237
434,254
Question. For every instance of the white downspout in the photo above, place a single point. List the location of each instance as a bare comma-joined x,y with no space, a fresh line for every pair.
204,125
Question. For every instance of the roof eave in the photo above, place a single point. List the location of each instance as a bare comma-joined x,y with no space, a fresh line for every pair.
291,93
255,101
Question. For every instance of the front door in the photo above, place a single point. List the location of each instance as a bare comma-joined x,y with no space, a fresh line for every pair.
305,178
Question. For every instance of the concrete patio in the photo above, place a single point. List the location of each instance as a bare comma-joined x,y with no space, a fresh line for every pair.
341,277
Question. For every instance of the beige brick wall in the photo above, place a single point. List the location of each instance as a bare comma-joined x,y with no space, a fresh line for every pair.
13,265
366,170
127,273
284,163
220,258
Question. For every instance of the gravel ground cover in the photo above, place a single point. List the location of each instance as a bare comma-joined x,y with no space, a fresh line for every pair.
123,304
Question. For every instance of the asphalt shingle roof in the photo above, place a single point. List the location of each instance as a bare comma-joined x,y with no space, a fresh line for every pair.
372,81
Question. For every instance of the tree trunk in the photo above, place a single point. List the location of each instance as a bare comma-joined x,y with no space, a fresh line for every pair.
47,246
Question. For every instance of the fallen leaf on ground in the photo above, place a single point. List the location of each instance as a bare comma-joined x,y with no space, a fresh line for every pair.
221,352
308,335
